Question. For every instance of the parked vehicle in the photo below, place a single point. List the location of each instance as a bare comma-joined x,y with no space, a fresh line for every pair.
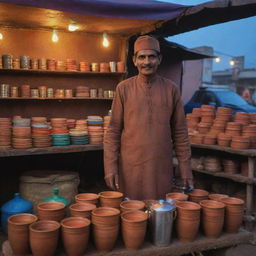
218,98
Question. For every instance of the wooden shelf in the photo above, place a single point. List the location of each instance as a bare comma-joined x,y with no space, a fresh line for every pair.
73,98
244,152
58,72
49,150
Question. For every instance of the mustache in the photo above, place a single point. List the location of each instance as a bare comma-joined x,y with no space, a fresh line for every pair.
147,66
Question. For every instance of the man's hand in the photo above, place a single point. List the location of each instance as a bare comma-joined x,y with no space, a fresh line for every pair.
112,181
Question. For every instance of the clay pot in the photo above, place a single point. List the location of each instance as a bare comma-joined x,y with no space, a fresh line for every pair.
207,108
212,164
187,221
105,216
210,139
224,140
105,237
231,166
207,118
212,217
217,197
240,142
197,112
82,210
75,234
132,205
234,214
44,237
111,199
51,211
18,232
197,138
197,195
203,128
223,110
134,226
87,198
177,196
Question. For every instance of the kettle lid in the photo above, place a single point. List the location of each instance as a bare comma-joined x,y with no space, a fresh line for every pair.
164,206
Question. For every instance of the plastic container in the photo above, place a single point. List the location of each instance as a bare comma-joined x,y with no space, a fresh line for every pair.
56,198
14,206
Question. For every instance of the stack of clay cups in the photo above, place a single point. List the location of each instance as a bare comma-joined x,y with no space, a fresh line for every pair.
253,118
192,120
84,66
71,123
60,133
41,132
207,114
95,129
250,131
5,133
233,129
223,115
78,137
25,91
81,124
104,67
60,65
51,64
71,65
242,118
82,92
21,133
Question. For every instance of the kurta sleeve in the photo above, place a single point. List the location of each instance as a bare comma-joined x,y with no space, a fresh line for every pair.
112,138
180,136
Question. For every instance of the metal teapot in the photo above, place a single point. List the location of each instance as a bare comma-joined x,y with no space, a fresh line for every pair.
161,216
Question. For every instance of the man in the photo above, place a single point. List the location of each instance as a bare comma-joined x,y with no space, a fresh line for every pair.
147,122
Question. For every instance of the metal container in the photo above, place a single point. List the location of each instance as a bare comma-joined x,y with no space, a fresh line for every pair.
93,93
4,90
7,61
162,215
112,66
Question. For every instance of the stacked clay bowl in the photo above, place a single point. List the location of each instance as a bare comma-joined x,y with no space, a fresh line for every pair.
231,166
240,142
81,124
5,133
21,133
242,118
197,195
223,114
60,133
253,118
210,139
224,139
104,67
95,129
233,129
78,137
41,133
82,92
71,123
84,66
212,164
193,120
71,65
250,131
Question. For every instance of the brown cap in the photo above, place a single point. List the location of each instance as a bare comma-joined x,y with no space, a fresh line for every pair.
146,43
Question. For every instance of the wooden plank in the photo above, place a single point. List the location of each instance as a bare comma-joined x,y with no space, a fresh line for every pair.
58,72
244,152
49,150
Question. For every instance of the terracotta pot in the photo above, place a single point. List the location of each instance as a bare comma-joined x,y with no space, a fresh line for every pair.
132,205
203,128
231,166
212,163
197,111
18,232
51,211
223,110
177,196
111,199
210,139
224,140
207,118
212,217
87,198
234,214
198,195
207,108
75,234
240,142
105,237
233,131
217,197
82,210
187,221
134,226
105,216
44,237
197,138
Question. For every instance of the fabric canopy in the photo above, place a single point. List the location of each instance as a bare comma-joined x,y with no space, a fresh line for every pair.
131,9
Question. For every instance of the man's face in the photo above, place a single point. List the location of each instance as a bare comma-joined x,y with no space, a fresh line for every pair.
147,62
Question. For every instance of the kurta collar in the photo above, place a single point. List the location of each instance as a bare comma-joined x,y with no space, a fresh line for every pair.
145,81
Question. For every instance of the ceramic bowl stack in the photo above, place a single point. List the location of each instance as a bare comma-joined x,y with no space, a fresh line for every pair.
60,133
81,124
71,65
21,133
79,137
82,92
41,132
95,129
106,123
5,133
71,123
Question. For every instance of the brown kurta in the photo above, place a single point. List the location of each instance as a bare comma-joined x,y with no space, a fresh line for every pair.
147,122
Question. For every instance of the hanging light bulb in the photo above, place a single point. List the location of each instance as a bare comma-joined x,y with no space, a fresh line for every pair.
231,62
218,59
1,36
72,27
55,37
105,41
